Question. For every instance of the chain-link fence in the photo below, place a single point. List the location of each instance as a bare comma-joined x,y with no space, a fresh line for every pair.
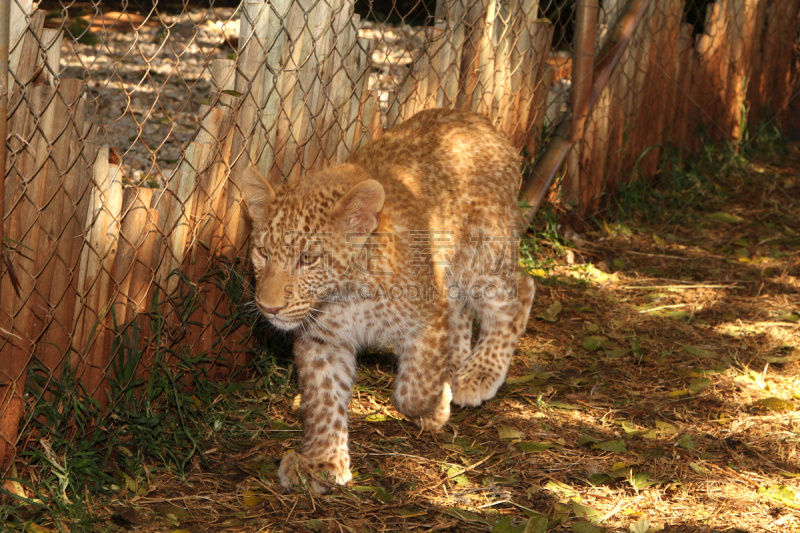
128,126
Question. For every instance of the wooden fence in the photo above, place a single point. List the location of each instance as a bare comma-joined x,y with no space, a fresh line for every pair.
95,255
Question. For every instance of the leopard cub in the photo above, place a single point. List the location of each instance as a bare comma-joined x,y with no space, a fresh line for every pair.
405,243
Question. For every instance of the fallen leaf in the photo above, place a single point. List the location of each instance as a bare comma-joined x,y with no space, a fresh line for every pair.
612,446
585,527
562,405
560,488
654,453
698,469
537,524
666,427
507,433
529,447
251,499
641,481
377,417
699,385
642,526
720,216
617,352
532,377
686,442
173,512
751,379
780,360
782,493
582,511
551,313
698,352
773,404
593,343
585,439
466,515
316,525
678,393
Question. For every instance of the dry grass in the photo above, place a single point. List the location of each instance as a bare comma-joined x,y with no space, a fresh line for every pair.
660,414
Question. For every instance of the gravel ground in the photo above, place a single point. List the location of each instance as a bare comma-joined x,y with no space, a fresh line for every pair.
147,77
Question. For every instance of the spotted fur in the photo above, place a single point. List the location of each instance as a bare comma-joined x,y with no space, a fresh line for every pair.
405,243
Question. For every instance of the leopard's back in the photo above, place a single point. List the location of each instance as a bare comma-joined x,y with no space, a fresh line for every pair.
446,171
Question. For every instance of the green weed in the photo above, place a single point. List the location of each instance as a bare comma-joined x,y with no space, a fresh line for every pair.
163,408
542,243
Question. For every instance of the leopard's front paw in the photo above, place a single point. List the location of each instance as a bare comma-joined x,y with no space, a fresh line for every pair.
321,474
473,386
437,418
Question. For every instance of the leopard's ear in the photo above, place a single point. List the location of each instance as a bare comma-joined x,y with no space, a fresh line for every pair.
257,193
359,209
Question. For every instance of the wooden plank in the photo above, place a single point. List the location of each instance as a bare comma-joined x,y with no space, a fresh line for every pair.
340,86
541,81
135,230
52,218
94,276
25,71
223,80
62,291
741,34
178,224
475,21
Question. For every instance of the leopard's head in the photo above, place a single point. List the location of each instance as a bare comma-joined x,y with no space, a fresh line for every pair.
304,236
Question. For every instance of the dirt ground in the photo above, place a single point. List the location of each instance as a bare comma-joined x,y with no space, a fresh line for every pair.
655,390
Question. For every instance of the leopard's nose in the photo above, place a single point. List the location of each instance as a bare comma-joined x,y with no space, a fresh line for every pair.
271,310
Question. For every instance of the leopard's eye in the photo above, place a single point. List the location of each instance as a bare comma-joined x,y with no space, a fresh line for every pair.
307,259
263,253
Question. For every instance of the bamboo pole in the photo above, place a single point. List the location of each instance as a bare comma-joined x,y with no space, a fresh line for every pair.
10,393
5,36
582,64
546,169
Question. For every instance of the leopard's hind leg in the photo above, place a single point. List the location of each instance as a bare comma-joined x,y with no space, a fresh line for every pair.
502,305
459,333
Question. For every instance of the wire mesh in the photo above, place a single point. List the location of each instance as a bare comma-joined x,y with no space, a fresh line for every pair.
129,124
